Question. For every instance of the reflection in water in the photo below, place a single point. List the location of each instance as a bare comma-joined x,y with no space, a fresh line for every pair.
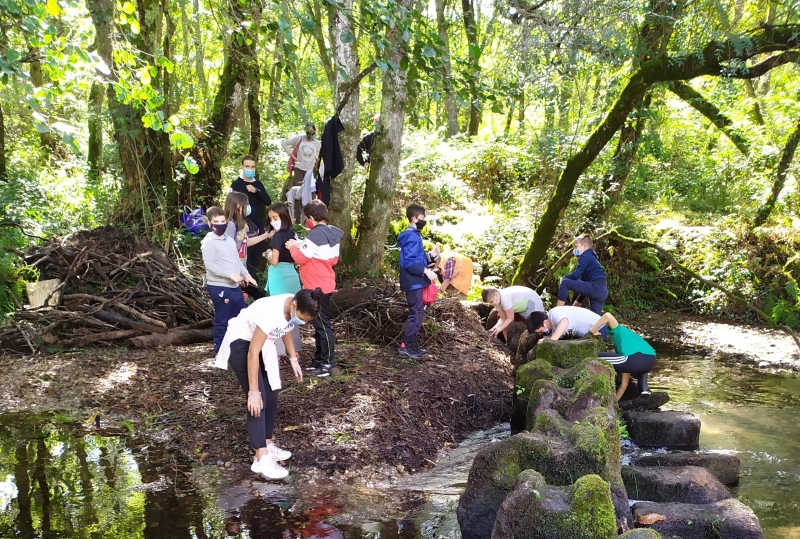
755,414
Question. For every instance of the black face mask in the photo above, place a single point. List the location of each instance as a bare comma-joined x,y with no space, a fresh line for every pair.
219,230
421,224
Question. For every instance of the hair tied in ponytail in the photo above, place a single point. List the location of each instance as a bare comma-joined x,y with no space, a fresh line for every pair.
317,294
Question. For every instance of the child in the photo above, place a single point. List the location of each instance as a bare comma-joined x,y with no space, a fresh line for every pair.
316,256
633,354
237,208
224,274
414,278
568,320
282,277
514,302
587,280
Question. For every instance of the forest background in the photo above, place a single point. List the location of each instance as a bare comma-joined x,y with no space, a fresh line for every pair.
517,124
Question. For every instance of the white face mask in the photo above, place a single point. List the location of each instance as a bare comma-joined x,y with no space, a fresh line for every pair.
276,224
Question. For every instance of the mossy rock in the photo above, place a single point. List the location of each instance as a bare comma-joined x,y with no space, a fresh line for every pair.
641,533
536,510
529,373
566,354
527,342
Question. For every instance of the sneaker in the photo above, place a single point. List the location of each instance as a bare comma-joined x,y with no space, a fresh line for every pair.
278,453
269,468
409,352
314,366
323,371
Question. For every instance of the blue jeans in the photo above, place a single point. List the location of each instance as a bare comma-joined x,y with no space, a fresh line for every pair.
596,291
227,304
414,322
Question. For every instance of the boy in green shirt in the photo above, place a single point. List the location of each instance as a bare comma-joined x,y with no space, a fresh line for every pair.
633,355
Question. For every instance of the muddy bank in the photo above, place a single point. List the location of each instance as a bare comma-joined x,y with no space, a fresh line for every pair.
382,414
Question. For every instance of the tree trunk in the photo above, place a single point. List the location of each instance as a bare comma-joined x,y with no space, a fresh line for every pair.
235,82
48,140
758,117
708,61
347,70
95,124
709,110
24,518
40,476
291,60
166,149
780,177
254,113
449,94
473,51
199,60
385,165
3,169
275,78
315,9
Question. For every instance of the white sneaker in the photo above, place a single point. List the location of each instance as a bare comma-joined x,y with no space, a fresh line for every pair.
269,468
278,453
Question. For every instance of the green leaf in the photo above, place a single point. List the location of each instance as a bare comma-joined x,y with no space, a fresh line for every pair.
429,51
475,51
135,28
70,140
128,8
347,37
381,64
191,165
181,140
146,77
283,25
12,55
404,63
309,25
174,120
53,9
41,128
13,8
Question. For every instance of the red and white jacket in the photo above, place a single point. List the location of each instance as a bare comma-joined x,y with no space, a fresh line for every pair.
317,256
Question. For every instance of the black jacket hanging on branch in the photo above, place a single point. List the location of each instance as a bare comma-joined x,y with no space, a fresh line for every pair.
331,156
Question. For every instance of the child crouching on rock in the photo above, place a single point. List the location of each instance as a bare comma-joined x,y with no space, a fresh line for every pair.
633,354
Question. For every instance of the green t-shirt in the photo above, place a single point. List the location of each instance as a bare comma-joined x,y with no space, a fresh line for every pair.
626,342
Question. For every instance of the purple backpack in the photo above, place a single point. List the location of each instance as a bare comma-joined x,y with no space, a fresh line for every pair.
195,221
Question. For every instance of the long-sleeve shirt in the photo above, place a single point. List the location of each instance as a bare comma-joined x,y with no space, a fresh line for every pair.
258,200
412,260
589,268
365,146
307,152
317,256
221,260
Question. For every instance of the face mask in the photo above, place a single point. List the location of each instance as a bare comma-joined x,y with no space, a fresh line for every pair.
249,174
309,224
546,331
276,224
375,127
421,224
310,134
296,321
576,252
248,210
219,230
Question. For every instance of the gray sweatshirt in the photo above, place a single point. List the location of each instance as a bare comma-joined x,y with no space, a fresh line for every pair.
221,259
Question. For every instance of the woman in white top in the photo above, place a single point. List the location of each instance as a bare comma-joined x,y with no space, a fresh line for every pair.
304,158
249,348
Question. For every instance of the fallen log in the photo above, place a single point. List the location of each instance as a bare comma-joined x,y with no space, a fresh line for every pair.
79,342
118,320
173,337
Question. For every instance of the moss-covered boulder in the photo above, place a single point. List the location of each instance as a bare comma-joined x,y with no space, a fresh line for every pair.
726,519
536,510
515,330
724,467
571,418
670,429
684,484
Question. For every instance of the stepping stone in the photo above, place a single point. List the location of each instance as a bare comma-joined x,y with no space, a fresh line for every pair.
723,467
641,533
685,484
653,401
726,519
673,430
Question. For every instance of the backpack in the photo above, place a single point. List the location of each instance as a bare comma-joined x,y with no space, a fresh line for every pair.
195,221
429,293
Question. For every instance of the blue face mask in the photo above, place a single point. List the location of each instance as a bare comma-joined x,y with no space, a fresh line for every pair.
248,210
249,174
296,321
576,252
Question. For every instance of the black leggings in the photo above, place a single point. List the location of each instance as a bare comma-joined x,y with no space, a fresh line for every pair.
637,363
259,428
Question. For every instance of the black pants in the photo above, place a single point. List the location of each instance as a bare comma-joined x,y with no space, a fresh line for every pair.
414,321
255,255
635,364
255,292
324,189
323,336
259,428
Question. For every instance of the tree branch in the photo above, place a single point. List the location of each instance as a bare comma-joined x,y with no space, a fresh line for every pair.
12,224
711,284
352,86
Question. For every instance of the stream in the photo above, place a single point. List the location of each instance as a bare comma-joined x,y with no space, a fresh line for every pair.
63,479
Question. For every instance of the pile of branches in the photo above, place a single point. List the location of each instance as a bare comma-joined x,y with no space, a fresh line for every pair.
377,313
114,285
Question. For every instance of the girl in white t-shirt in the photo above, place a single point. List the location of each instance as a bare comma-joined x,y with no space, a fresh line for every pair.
249,348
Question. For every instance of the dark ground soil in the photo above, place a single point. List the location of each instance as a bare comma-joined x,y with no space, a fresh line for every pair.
382,411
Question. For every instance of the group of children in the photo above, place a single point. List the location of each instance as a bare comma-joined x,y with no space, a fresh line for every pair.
249,339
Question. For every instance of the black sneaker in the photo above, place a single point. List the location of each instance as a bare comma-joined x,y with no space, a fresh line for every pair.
314,366
323,371
644,389
409,352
